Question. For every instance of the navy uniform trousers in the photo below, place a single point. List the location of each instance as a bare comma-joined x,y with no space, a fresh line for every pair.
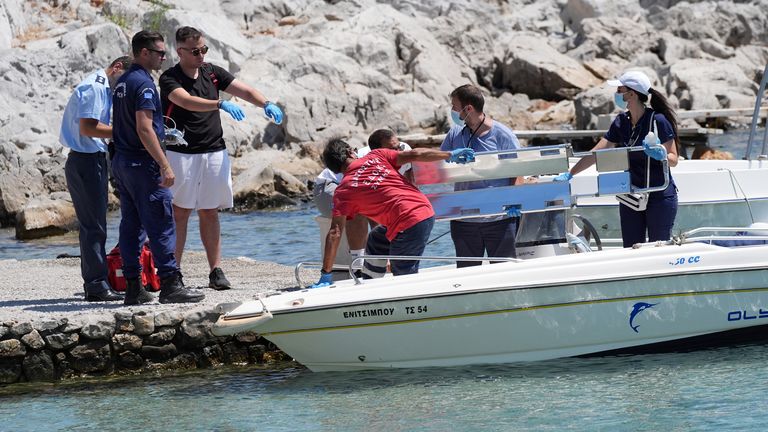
657,219
144,205
87,178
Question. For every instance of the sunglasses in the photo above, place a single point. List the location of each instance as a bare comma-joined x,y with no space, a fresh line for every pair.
161,52
197,51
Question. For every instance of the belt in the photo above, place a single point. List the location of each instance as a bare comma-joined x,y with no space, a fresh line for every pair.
94,154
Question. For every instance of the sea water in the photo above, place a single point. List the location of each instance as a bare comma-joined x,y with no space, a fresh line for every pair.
718,389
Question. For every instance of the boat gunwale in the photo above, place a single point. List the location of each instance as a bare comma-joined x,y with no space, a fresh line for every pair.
280,312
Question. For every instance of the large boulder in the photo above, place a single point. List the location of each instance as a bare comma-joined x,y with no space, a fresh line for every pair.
617,39
575,11
711,84
19,181
729,23
539,71
589,104
45,216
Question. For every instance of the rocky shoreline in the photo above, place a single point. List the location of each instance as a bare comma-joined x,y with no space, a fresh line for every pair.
49,333
344,68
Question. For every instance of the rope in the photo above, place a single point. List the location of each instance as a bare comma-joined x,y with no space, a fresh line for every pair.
436,238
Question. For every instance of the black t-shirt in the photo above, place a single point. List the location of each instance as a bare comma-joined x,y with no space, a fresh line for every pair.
202,130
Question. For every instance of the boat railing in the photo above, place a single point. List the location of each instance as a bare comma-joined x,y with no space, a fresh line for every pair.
353,267
694,235
297,269
756,119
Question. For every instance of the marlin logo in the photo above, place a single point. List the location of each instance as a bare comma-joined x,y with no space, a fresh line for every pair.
636,309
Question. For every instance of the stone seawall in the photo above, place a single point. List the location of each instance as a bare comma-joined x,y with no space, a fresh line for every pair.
122,343
49,332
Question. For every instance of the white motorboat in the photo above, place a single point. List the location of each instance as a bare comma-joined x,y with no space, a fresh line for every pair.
559,304
568,305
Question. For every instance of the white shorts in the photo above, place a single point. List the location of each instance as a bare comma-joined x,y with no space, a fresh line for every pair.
203,181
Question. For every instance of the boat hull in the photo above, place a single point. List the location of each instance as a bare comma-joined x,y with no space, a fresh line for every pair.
516,312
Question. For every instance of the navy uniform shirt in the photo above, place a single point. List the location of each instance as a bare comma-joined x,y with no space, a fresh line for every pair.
134,91
202,130
623,134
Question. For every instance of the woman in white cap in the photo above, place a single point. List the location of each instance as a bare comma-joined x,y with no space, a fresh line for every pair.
630,129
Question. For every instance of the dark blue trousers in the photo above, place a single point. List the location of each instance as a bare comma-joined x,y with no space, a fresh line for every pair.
475,239
87,179
410,242
657,219
144,205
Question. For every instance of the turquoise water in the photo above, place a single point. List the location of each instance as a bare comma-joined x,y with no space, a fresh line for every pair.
721,389
286,237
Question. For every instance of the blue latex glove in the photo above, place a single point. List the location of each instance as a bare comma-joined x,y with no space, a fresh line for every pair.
326,279
273,112
514,211
564,177
654,152
462,156
232,110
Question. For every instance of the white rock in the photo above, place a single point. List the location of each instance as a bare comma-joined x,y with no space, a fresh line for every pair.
12,22
711,84
539,71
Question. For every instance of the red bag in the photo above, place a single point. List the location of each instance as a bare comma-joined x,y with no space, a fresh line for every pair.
149,277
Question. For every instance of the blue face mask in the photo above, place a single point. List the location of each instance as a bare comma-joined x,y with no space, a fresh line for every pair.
456,117
618,99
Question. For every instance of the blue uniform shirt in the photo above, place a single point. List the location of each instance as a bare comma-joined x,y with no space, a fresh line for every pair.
499,138
623,134
92,99
135,91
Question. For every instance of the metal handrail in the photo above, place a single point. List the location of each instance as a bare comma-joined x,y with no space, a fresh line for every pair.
690,236
421,258
299,266
756,116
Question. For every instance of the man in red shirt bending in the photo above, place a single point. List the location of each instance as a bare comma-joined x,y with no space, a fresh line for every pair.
373,187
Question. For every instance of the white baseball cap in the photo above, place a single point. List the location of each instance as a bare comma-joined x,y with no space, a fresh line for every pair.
635,80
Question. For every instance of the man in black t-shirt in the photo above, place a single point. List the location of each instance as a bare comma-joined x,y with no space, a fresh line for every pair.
190,97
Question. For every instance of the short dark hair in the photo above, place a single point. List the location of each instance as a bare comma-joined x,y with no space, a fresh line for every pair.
379,137
145,39
186,32
124,61
335,154
469,95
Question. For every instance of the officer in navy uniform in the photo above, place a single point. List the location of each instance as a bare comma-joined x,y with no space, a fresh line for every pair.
143,176
629,129
84,128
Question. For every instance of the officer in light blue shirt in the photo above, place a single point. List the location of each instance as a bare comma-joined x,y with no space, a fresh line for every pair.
494,236
84,129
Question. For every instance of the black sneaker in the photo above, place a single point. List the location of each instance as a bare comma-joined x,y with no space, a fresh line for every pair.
217,280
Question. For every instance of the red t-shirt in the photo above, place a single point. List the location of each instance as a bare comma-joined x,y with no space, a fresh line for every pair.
372,187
